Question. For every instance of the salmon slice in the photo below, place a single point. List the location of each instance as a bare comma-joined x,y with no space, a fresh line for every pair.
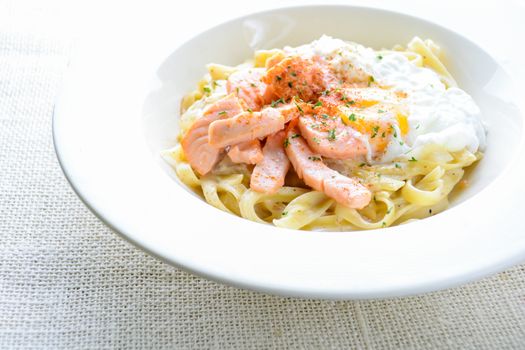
245,127
329,137
248,152
297,76
247,84
268,176
310,167
197,150
369,114
291,110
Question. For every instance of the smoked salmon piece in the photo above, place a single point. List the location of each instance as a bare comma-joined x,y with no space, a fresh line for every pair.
309,166
268,175
248,152
245,127
291,110
197,150
247,84
328,136
351,122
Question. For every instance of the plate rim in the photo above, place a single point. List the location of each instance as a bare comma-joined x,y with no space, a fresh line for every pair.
279,290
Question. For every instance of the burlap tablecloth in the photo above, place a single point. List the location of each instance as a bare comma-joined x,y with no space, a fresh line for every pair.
67,281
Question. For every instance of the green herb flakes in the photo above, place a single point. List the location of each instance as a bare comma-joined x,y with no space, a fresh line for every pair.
331,135
375,129
276,102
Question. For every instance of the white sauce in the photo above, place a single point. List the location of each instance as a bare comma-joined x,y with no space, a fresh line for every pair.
447,117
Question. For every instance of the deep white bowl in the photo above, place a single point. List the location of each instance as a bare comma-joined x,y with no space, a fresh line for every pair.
111,120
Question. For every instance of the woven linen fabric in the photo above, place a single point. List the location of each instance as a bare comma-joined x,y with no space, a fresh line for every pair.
68,282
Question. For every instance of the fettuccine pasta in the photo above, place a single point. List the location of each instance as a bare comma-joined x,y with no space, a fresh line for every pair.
329,136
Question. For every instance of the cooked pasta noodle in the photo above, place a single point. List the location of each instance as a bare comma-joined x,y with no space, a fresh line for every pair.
412,184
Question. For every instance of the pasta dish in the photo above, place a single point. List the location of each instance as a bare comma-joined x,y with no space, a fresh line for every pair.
330,135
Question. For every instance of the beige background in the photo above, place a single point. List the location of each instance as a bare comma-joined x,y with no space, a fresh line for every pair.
67,281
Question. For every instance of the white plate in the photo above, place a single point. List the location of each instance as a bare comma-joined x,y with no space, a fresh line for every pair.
111,121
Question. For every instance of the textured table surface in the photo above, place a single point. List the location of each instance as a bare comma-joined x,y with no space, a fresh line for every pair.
67,281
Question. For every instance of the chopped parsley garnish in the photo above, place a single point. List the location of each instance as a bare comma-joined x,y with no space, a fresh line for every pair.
417,126
237,89
206,89
351,117
318,104
298,107
314,158
290,84
397,166
331,135
325,116
383,134
375,129
276,102
326,92
370,80
294,136
293,74
286,142
278,78
222,112
343,98
284,213
362,165
250,110
351,102
394,129
412,159
380,111
379,57
383,224
316,140
253,85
